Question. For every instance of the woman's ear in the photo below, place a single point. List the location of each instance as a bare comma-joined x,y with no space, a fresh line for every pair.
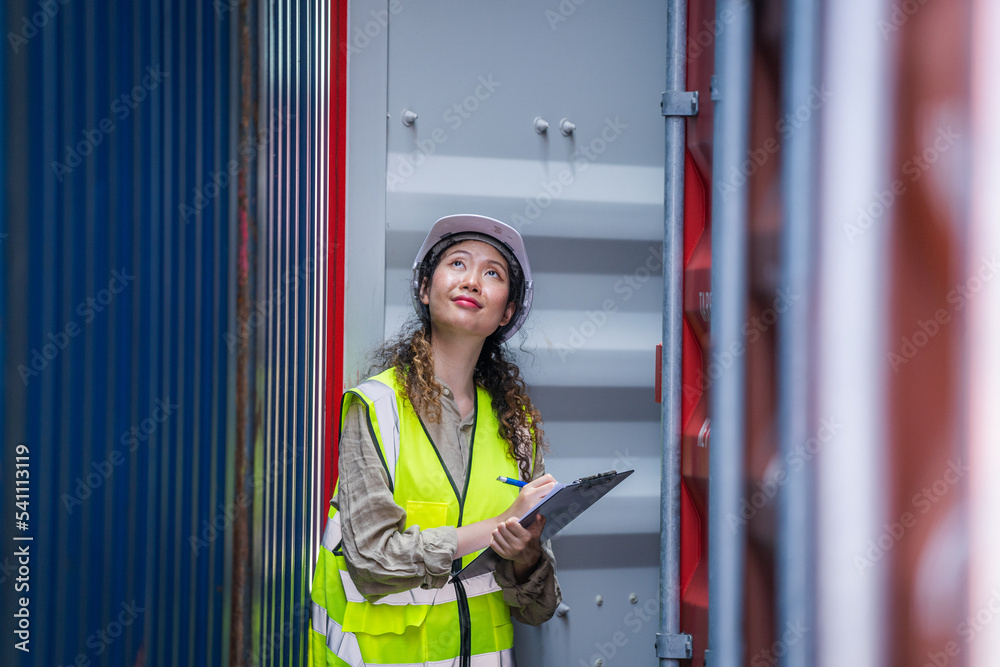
425,298
508,313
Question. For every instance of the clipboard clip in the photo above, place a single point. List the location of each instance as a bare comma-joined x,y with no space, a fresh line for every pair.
596,479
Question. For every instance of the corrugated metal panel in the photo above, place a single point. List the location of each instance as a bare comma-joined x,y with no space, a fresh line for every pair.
292,243
140,205
127,412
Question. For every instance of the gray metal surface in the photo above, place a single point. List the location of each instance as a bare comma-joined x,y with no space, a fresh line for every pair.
673,312
796,565
365,289
726,540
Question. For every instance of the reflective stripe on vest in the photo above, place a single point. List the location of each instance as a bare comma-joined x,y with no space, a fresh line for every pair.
383,398
345,646
503,658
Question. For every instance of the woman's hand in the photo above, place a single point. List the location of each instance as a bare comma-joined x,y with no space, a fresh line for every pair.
521,545
479,535
529,496
512,541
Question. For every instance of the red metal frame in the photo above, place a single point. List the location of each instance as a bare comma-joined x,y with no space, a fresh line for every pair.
335,248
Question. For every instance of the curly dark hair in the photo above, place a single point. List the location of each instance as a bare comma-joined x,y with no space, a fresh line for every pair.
410,354
520,422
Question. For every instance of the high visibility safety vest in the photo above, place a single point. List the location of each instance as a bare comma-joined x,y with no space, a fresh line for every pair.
460,624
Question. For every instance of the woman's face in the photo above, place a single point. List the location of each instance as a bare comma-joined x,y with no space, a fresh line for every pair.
468,290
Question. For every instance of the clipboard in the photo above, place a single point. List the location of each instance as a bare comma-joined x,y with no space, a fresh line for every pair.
563,503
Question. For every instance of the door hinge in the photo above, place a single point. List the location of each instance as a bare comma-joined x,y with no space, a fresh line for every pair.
678,647
679,103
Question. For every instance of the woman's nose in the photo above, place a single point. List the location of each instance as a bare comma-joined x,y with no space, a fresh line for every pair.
470,283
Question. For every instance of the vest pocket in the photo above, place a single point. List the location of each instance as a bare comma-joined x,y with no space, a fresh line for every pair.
426,514
371,619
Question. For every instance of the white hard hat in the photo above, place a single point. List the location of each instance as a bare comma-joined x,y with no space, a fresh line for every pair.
503,237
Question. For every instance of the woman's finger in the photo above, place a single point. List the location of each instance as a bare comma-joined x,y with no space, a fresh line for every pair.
502,540
535,530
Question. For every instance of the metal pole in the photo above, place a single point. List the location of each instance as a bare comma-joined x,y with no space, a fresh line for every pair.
796,559
852,313
726,542
677,104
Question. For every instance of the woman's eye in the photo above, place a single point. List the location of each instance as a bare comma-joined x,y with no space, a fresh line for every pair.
456,262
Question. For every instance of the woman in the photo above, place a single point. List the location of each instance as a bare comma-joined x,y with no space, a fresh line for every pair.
421,447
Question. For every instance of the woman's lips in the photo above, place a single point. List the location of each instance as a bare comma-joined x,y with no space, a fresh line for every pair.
467,301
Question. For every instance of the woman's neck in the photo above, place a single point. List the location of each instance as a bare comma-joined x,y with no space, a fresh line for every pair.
455,362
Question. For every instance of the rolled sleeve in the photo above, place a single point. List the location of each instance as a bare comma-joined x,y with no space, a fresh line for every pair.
534,601
383,557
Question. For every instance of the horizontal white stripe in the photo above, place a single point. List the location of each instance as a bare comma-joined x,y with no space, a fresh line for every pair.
343,644
517,179
480,585
503,658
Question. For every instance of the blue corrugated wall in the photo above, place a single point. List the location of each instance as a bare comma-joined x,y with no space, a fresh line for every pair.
161,235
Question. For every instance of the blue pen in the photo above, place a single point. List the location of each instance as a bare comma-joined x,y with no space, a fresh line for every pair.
512,482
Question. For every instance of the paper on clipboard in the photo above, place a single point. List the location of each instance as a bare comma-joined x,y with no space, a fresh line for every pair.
563,504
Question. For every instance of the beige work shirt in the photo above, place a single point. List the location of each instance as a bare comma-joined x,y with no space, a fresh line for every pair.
383,558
